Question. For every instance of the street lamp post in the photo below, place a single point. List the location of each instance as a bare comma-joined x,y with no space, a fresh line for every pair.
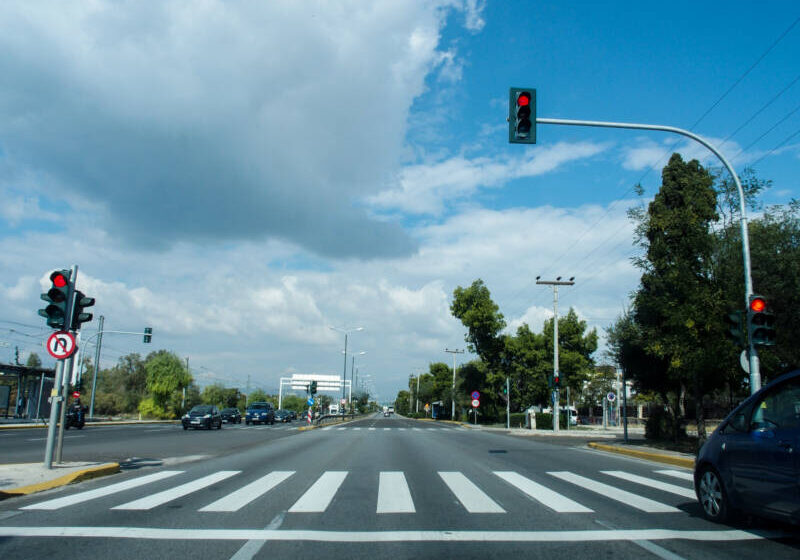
346,332
453,396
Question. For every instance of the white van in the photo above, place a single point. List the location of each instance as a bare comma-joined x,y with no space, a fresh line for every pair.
333,409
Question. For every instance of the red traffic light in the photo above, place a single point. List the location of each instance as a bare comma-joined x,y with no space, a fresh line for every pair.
59,280
524,99
758,304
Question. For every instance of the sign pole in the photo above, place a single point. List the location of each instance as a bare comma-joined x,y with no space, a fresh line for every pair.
63,413
51,426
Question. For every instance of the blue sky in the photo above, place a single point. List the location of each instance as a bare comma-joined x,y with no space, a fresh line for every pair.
242,176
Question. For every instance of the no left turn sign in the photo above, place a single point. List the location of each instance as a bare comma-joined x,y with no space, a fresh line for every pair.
61,345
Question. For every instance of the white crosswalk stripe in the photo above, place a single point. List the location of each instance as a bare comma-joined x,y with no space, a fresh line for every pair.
628,498
319,496
394,495
81,497
149,502
246,494
683,475
471,497
542,494
674,489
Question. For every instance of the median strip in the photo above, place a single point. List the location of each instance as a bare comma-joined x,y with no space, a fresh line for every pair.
686,462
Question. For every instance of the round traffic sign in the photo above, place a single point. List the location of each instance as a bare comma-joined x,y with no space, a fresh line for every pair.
61,345
76,394
611,397
310,401
475,403
476,395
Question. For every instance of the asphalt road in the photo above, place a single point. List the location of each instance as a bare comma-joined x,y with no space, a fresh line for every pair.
374,488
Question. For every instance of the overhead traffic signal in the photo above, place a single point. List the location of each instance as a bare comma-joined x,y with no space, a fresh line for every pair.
59,297
760,322
522,116
78,314
313,388
735,327
148,334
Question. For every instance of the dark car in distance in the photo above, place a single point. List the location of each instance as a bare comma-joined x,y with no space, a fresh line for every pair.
282,415
259,413
204,416
231,415
751,463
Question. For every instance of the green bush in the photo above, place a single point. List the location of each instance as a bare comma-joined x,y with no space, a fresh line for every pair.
149,409
544,421
517,419
661,424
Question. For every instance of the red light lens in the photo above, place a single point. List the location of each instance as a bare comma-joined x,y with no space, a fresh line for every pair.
758,305
523,100
59,281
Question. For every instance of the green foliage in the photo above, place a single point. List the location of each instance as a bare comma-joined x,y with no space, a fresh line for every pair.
166,376
517,420
219,395
33,360
257,395
401,403
294,402
149,409
474,307
662,424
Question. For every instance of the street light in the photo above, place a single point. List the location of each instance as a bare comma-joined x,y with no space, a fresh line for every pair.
346,332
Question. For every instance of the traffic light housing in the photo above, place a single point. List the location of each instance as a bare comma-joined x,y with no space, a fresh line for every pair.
313,388
79,315
59,297
522,116
735,327
557,380
760,322
148,334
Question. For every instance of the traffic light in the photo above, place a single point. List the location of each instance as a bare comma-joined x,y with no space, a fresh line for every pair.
58,295
735,330
313,387
78,315
760,322
557,380
148,332
522,116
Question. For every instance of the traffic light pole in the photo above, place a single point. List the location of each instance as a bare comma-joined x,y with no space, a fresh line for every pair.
755,373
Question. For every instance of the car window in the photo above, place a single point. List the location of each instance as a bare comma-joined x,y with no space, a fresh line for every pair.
780,408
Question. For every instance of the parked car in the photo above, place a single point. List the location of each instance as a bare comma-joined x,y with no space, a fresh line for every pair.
293,414
202,416
259,413
231,415
282,415
751,463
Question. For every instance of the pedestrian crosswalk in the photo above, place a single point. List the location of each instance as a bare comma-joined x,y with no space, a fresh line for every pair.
376,429
562,492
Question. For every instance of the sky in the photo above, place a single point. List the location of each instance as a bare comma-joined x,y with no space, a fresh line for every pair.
252,179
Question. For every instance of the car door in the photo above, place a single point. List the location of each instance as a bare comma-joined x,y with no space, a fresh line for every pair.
764,461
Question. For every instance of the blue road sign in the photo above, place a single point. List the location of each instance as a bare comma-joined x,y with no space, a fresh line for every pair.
310,401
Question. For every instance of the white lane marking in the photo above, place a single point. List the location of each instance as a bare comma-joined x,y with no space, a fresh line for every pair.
683,475
149,502
386,429
246,494
417,429
672,488
319,496
401,429
542,494
356,428
373,428
389,536
340,429
44,438
327,428
471,497
613,493
100,492
394,495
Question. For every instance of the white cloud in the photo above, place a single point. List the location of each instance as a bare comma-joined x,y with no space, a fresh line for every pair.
213,121
427,188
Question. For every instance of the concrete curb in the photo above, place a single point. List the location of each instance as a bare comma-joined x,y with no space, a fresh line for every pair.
89,424
75,476
679,461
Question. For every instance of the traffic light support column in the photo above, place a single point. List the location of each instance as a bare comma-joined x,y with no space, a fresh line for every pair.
755,373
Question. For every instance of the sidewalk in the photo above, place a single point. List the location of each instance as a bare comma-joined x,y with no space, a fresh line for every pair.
18,423
27,478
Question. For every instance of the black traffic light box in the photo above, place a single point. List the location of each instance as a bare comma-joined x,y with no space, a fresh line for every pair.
59,298
522,116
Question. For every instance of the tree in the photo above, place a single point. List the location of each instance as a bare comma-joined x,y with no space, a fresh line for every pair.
256,395
166,377
678,304
474,307
220,395
33,360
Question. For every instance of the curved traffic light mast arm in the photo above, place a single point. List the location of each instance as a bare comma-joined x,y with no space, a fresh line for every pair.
755,374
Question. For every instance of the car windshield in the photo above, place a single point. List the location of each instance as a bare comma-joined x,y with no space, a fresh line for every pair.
201,409
258,406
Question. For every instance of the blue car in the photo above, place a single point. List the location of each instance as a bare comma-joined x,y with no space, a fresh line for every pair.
751,463
259,413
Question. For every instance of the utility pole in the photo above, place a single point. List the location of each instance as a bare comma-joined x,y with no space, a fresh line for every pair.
96,363
556,393
508,405
453,396
417,395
